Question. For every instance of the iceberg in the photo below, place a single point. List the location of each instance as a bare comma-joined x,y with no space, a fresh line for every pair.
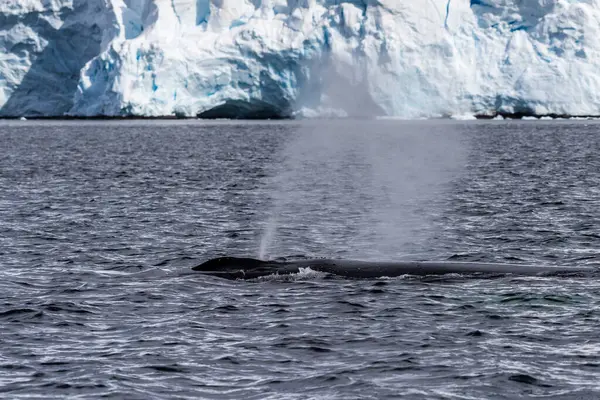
299,58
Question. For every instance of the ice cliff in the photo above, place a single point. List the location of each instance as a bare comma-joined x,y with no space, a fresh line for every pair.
279,58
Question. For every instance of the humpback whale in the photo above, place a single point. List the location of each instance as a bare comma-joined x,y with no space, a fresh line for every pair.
250,268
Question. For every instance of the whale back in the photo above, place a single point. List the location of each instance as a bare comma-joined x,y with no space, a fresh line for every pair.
239,267
249,268
224,263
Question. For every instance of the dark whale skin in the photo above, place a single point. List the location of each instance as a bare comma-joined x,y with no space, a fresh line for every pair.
250,268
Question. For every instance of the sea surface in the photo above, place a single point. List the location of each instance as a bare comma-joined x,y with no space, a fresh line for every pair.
100,223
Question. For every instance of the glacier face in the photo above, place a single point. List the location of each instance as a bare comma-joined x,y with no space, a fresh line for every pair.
270,58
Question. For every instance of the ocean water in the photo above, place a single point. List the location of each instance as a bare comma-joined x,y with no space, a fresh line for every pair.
100,223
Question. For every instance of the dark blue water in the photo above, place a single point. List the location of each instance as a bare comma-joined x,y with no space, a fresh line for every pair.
101,222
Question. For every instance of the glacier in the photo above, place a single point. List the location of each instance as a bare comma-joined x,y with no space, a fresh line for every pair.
299,58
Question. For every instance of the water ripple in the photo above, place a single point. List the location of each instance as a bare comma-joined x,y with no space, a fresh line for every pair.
100,223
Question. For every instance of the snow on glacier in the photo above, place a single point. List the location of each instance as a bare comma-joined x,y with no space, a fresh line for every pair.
267,58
